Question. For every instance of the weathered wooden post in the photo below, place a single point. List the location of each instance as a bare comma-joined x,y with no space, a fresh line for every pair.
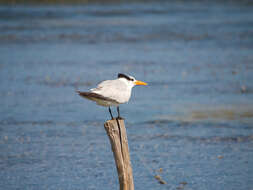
116,132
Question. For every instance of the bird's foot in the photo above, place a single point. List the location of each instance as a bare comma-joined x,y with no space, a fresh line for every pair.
120,118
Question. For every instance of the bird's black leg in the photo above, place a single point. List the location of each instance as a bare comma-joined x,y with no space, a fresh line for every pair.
119,113
110,112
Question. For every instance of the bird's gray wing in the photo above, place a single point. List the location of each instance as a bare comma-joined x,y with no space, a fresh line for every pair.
113,89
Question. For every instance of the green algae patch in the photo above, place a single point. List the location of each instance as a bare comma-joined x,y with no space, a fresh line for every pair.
195,113
221,114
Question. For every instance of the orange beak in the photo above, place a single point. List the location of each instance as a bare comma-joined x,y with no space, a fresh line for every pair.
140,83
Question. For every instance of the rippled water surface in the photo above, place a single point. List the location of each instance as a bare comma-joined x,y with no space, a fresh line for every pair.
192,125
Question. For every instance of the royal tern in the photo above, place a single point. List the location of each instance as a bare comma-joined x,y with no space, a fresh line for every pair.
113,92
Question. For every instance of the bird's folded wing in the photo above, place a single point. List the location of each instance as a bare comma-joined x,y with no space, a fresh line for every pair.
92,95
113,89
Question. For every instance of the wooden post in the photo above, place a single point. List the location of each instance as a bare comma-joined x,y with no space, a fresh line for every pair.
116,132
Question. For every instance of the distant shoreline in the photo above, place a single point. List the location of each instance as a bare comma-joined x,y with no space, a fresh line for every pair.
79,2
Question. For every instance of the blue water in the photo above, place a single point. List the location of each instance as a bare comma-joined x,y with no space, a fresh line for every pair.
194,119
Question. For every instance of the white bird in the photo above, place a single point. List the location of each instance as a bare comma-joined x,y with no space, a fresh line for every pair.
113,92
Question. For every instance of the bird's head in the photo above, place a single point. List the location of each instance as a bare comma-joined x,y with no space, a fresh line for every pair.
131,81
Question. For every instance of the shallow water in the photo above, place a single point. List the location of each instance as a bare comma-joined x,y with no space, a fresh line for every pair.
194,120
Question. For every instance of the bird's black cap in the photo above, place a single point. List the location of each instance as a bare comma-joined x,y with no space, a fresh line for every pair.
120,75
